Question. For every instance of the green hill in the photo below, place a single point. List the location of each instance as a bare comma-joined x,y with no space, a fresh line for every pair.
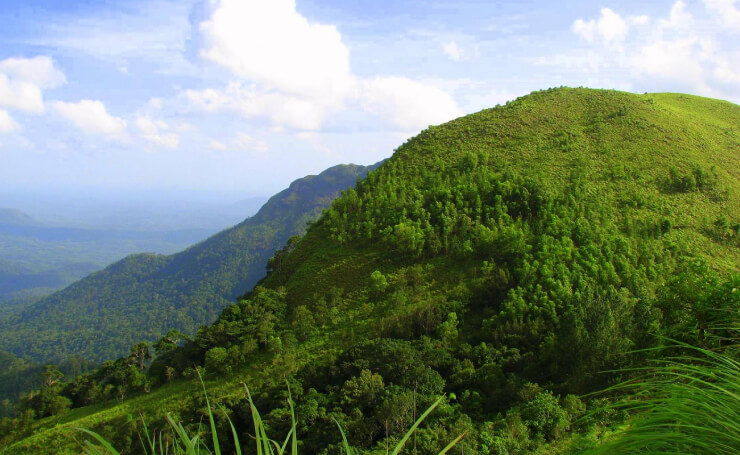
142,296
509,258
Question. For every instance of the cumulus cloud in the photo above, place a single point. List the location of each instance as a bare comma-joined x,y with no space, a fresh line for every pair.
22,81
727,12
252,101
407,103
155,132
91,117
295,73
7,124
39,71
678,18
20,95
610,27
271,43
682,50
669,59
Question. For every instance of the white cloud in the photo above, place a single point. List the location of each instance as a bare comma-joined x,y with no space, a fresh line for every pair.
22,81
678,18
683,51
7,124
269,42
727,70
39,71
245,142
155,131
407,103
20,95
670,59
296,73
727,13
252,102
610,27
91,117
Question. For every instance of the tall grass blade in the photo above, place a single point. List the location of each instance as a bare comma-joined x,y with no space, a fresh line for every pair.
452,444
294,439
214,433
106,445
191,445
237,444
408,434
347,447
287,439
687,404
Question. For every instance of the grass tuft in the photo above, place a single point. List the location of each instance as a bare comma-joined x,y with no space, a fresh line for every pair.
685,404
183,444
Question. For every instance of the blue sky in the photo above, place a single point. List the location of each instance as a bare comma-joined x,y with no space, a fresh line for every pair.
242,96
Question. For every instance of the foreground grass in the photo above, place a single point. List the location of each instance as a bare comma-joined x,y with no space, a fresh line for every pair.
686,404
181,443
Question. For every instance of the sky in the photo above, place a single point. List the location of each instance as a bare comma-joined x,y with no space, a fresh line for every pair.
240,97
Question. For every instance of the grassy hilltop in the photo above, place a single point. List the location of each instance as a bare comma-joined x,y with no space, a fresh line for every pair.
507,258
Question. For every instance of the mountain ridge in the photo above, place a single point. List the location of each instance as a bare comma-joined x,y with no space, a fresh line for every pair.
191,285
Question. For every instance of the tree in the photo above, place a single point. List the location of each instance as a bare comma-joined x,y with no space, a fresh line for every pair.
217,360
304,324
448,330
51,376
169,342
139,355
378,283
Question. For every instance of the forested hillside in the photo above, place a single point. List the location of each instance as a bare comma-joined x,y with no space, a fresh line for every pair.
514,261
18,376
37,259
139,298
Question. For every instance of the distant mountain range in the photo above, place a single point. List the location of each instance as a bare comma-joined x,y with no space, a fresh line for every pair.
144,295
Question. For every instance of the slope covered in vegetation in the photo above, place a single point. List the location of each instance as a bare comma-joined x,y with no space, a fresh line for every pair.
506,259
142,296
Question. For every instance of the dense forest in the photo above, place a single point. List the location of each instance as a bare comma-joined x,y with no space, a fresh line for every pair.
142,296
514,261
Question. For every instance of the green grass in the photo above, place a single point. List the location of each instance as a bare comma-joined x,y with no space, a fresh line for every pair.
182,443
683,404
